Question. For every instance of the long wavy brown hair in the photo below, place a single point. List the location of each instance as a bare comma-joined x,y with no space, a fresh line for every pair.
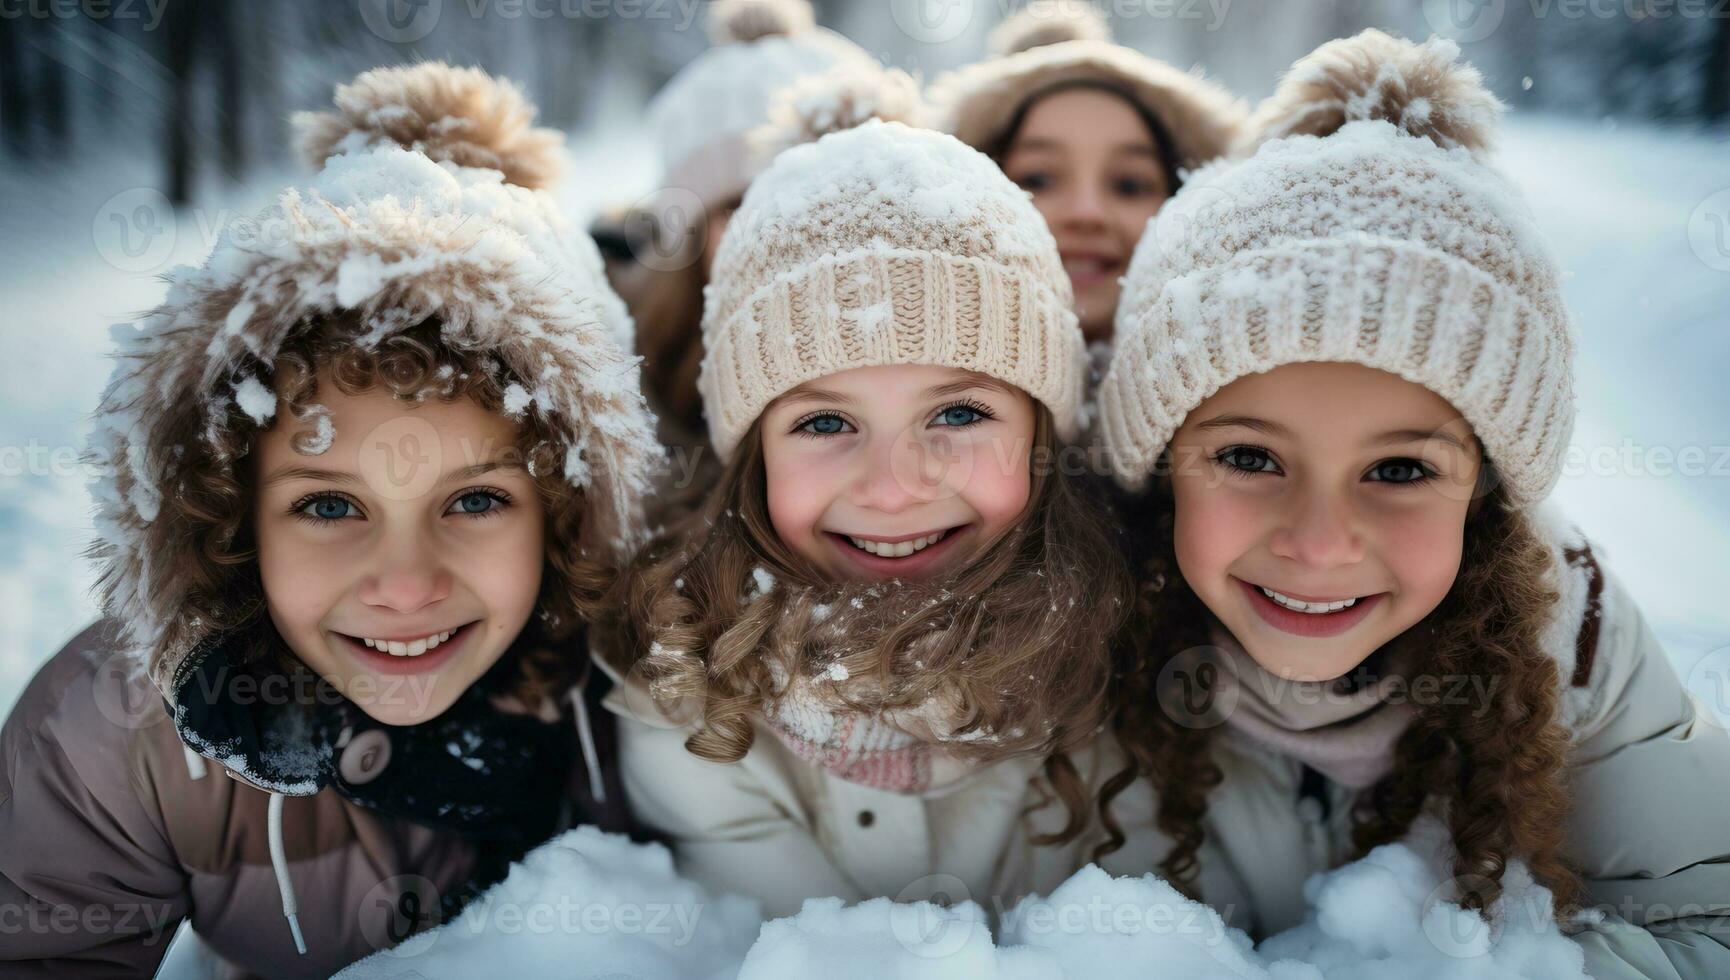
1494,770
214,499
1016,643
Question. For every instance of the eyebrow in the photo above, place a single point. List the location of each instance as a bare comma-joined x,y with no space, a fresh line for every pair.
1399,436
1393,437
1246,422
346,478
1049,145
966,384
808,394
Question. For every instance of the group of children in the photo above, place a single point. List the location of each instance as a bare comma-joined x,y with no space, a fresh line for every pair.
893,644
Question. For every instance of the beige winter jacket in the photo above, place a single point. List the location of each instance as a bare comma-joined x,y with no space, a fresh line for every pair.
780,829
1650,777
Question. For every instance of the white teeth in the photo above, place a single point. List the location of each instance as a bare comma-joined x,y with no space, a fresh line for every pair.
1313,608
898,549
412,648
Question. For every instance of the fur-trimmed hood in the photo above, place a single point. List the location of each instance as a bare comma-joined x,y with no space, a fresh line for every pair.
1040,50
391,236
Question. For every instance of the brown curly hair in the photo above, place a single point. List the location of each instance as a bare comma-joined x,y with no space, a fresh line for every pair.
1497,773
1017,641
213,500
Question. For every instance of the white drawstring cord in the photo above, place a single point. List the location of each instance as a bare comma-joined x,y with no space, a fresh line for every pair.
591,758
279,865
194,763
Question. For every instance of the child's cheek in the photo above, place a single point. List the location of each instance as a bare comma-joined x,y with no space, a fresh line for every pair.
1213,529
798,497
301,589
997,481
1422,548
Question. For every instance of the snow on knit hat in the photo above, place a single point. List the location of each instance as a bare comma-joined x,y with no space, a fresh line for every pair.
1052,44
465,118
884,244
703,117
392,238
1365,228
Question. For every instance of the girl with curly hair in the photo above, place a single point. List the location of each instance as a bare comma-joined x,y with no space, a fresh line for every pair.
366,476
1349,380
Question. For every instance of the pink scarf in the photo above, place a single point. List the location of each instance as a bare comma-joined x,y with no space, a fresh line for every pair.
1347,734
900,752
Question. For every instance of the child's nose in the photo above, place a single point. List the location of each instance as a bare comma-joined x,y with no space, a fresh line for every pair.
408,578
899,473
1320,531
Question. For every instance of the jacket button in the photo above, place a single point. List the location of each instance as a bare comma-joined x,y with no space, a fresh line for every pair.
365,757
867,818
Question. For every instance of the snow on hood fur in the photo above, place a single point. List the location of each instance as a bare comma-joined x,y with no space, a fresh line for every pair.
388,234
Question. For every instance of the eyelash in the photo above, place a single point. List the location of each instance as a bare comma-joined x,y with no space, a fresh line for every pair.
1426,473
298,510
984,412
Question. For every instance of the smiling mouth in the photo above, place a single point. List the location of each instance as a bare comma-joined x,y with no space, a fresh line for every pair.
902,548
410,647
1312,607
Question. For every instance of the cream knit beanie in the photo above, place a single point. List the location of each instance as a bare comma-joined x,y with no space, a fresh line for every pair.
884,244
1365,228
1050,44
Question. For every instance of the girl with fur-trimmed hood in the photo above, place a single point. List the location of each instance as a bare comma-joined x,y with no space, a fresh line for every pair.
1345,394
367,473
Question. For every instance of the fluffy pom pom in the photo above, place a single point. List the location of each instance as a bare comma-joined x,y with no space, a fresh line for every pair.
1424,89
460,115
744,21
1045,22
840,98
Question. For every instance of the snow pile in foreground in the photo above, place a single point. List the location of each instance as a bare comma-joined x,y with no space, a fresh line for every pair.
625,913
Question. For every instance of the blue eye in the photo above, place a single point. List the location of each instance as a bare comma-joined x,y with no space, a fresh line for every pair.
1400,471
1034,182
325,509
1247,460
960,416
480,503
822,424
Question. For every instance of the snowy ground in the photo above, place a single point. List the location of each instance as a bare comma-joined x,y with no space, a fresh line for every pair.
1631,210
592,905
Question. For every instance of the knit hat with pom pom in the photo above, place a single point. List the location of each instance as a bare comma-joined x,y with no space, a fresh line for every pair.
1056,44
703,117
1364,227
881,244
382,240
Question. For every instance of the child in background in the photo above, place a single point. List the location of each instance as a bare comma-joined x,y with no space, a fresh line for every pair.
370,471
1100,134
1351,384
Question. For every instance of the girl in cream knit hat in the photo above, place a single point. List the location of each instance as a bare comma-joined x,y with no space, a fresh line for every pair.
876,659
1344,394
1100,134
